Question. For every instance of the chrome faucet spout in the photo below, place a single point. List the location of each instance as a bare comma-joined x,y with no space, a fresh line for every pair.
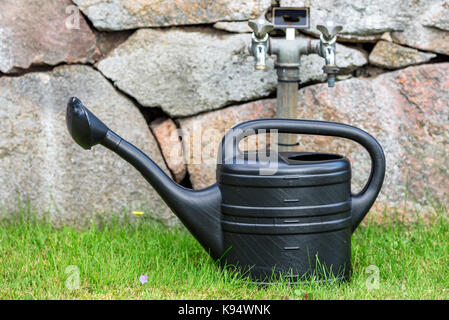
328,41
328,52
259,49
259,41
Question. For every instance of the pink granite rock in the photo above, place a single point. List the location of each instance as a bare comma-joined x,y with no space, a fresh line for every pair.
36,32
202,135
167,136
42,165
407,112
424,38
390,55
132,14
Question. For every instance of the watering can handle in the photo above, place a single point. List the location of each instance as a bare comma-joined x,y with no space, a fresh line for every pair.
361,202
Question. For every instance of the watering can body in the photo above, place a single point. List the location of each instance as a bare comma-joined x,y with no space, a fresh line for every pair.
270,215
294,214
296,222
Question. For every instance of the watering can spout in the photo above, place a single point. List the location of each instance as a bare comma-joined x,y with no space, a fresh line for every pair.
198,210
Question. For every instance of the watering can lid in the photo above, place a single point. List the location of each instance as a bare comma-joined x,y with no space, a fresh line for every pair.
306,168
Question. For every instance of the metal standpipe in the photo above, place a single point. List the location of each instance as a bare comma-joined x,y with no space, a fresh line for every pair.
288,52
287,92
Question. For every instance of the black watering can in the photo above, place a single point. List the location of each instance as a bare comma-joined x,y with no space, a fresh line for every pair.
295,220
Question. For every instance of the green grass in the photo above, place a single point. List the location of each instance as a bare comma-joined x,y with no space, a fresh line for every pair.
413,263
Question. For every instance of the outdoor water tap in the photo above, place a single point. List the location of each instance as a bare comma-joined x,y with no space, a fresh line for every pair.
287,52
259,43
328,40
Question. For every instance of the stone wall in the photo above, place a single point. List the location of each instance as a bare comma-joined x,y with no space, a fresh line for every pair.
152,69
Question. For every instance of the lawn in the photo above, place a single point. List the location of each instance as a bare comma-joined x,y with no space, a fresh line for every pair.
38,261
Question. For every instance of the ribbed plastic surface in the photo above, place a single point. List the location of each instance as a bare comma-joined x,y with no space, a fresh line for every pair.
297,220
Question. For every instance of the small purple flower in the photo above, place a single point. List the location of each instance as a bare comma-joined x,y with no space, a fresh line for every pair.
143,278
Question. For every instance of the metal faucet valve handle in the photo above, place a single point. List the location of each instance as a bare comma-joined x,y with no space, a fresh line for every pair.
329,29
260,26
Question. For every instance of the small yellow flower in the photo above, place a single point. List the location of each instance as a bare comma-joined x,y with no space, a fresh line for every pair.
137,213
